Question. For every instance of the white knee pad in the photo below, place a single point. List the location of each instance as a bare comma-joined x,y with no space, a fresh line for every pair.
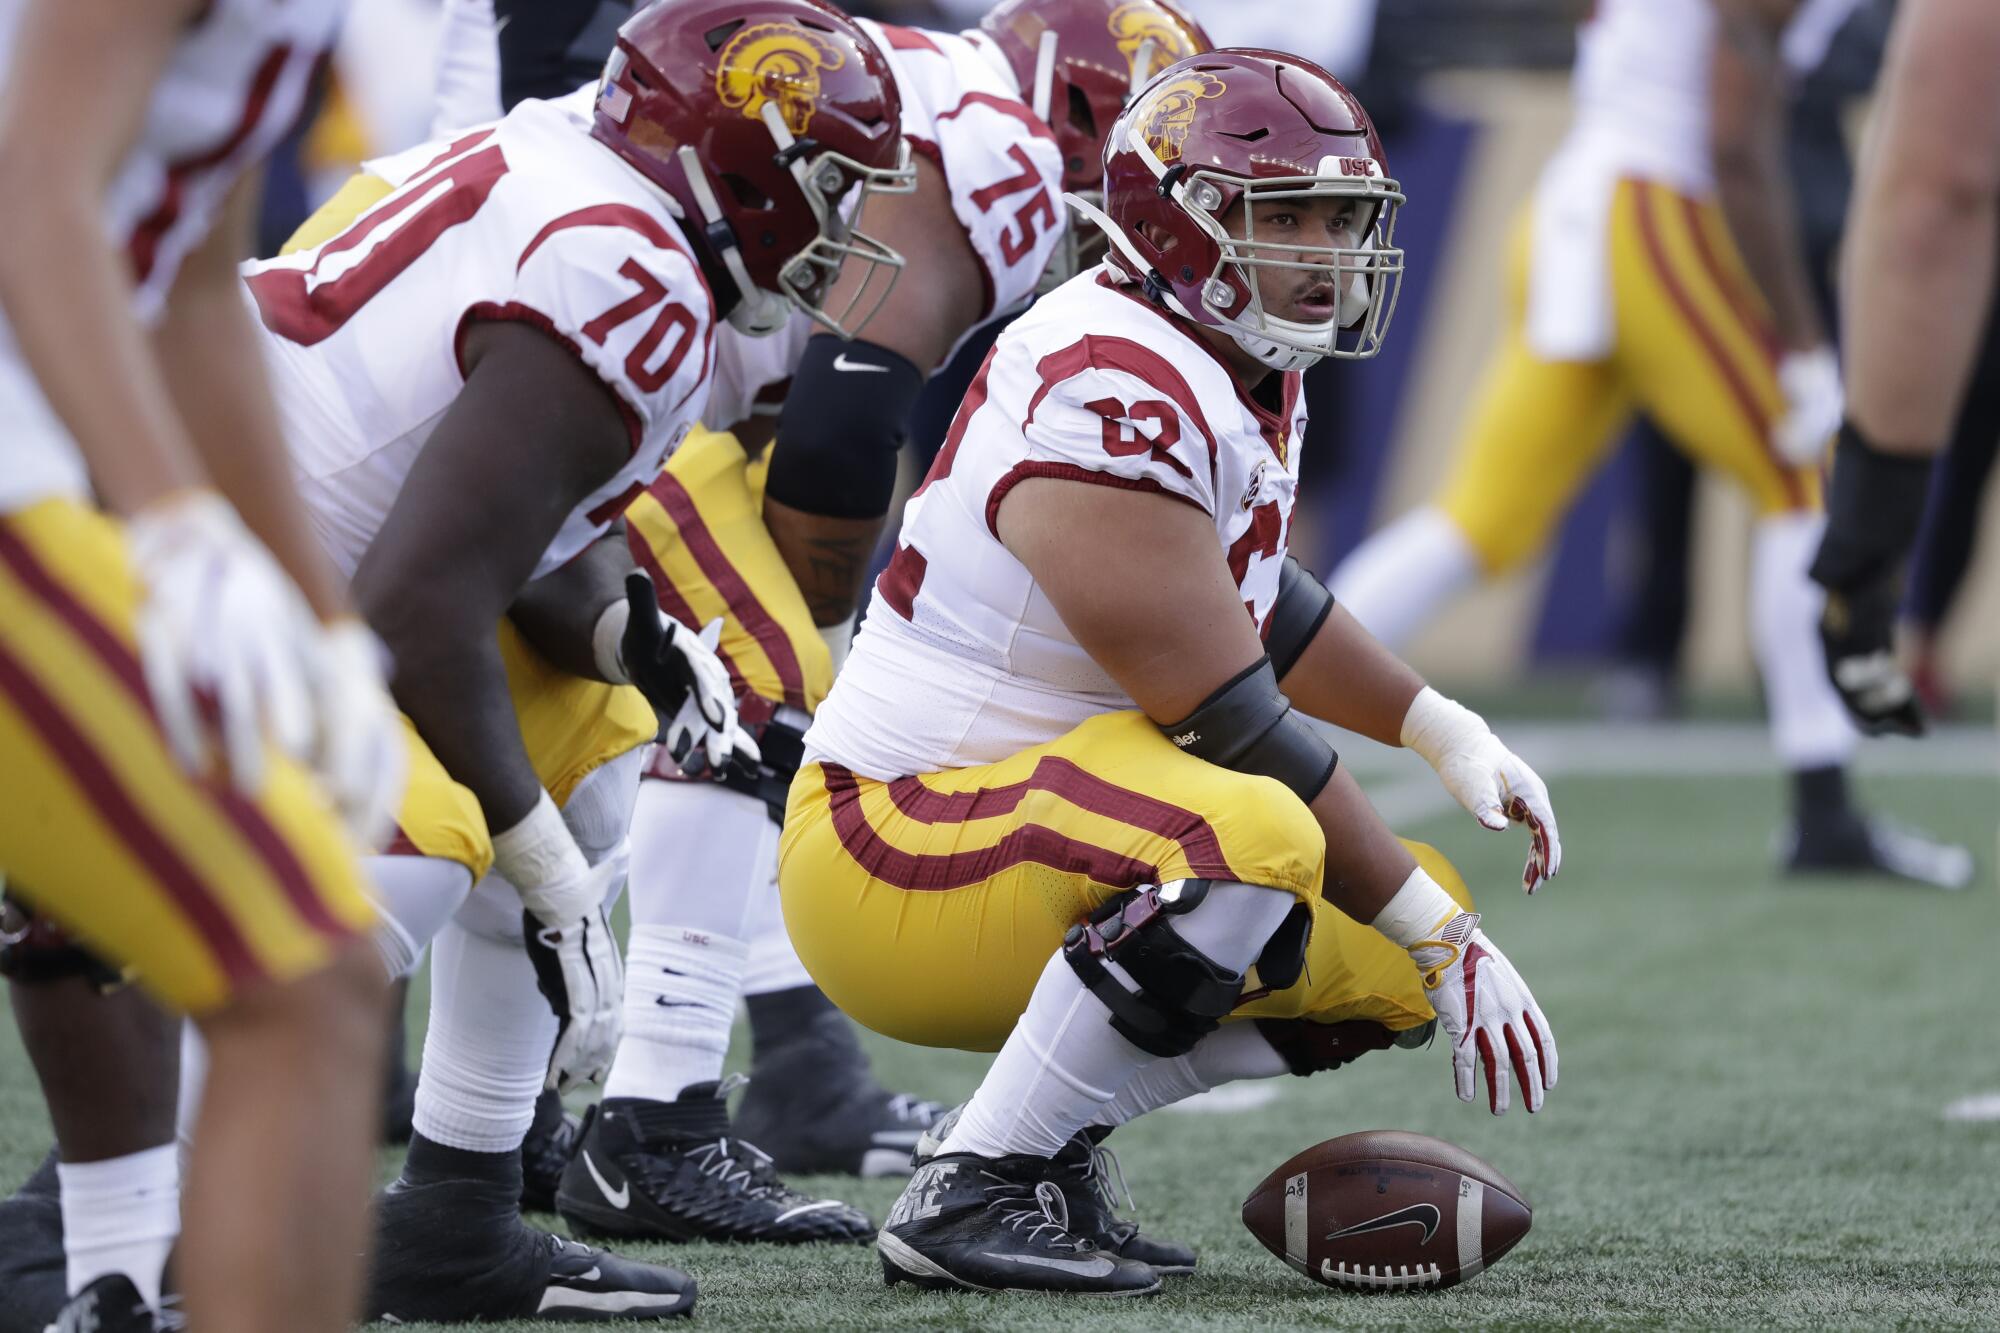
599,811
699,853
416,895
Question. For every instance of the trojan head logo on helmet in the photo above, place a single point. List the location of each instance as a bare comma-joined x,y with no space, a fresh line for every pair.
767,122
1078,63
775,62
1218,142
1166,115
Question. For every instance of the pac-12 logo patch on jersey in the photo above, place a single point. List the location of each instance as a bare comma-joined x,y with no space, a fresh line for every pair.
1133,24
1168,115
776,63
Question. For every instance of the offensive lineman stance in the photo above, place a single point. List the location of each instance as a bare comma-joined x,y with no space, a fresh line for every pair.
1660,266
989,847
478,372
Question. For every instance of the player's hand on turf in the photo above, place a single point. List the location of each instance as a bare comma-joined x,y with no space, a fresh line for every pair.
220,633
1488,1013
1485,777
358,750
1857,629
1814,401
579,971
678,671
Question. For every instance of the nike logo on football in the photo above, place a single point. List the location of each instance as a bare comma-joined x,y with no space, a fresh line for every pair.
1082,1267
842,363
1425,1215
620,1198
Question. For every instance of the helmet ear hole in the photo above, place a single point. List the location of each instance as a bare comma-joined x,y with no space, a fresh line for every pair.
744,191
1080,114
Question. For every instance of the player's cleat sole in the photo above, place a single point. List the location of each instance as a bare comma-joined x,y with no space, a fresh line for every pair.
1870,845
673,1171
815,1108
997,1224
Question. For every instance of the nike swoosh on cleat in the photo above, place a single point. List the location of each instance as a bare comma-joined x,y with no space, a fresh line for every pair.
620,1198
1081,1267
842,363
805,1208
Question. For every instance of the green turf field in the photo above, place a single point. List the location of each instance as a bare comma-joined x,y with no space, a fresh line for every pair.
1748,1131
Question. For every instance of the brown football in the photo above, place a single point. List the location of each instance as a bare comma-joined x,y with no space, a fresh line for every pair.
1387,1211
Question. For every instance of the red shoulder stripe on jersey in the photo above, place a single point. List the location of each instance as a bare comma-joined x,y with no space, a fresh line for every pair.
122,662
514,312
903,578
1021,472
1006,106
457,146
1097,351
1755,418
907,39
144,247
741,599
670,598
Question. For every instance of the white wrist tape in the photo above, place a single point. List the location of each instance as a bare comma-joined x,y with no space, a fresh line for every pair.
1417,912
1436,727
539,850
839,638
607,642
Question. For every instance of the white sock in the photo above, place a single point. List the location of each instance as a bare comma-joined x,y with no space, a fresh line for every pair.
486,1054
1231,1052
773,963
1063,1061
700,855
121,1216
680,1003
1809,725
1395,581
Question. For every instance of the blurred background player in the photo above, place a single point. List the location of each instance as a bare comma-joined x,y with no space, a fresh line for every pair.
992,847
1660,267
161,675
1914,320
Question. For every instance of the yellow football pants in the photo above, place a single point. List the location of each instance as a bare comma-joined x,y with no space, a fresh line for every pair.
1694,349
927,907
199,890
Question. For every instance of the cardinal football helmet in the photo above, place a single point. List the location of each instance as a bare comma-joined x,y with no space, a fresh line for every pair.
1078,63
766,122
1256,128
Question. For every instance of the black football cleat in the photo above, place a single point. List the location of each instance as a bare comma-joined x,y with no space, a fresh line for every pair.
673,1171
551,1142
997,1224
109,1304
815,1108
1085,1171
456,1251
1857,844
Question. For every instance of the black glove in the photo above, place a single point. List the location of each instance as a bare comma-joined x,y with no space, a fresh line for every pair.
1875,505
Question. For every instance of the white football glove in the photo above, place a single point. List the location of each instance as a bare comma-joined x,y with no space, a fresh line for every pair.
222,632
1489,1015
569,940
679,672
358,753
1814,402
1485,777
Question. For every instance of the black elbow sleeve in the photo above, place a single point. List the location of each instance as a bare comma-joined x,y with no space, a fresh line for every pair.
1248,725
843,422
1302,606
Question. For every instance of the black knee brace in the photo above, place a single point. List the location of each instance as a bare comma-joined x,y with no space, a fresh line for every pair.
1308,1047
35,951
1183,994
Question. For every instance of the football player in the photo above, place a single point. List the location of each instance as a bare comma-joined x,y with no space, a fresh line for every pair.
1058,803
477,373
172,645
1660,267
1913,327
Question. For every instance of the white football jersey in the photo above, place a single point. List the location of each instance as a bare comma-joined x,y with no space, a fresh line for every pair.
232,88
961,110
529,219
962,660
1642,89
